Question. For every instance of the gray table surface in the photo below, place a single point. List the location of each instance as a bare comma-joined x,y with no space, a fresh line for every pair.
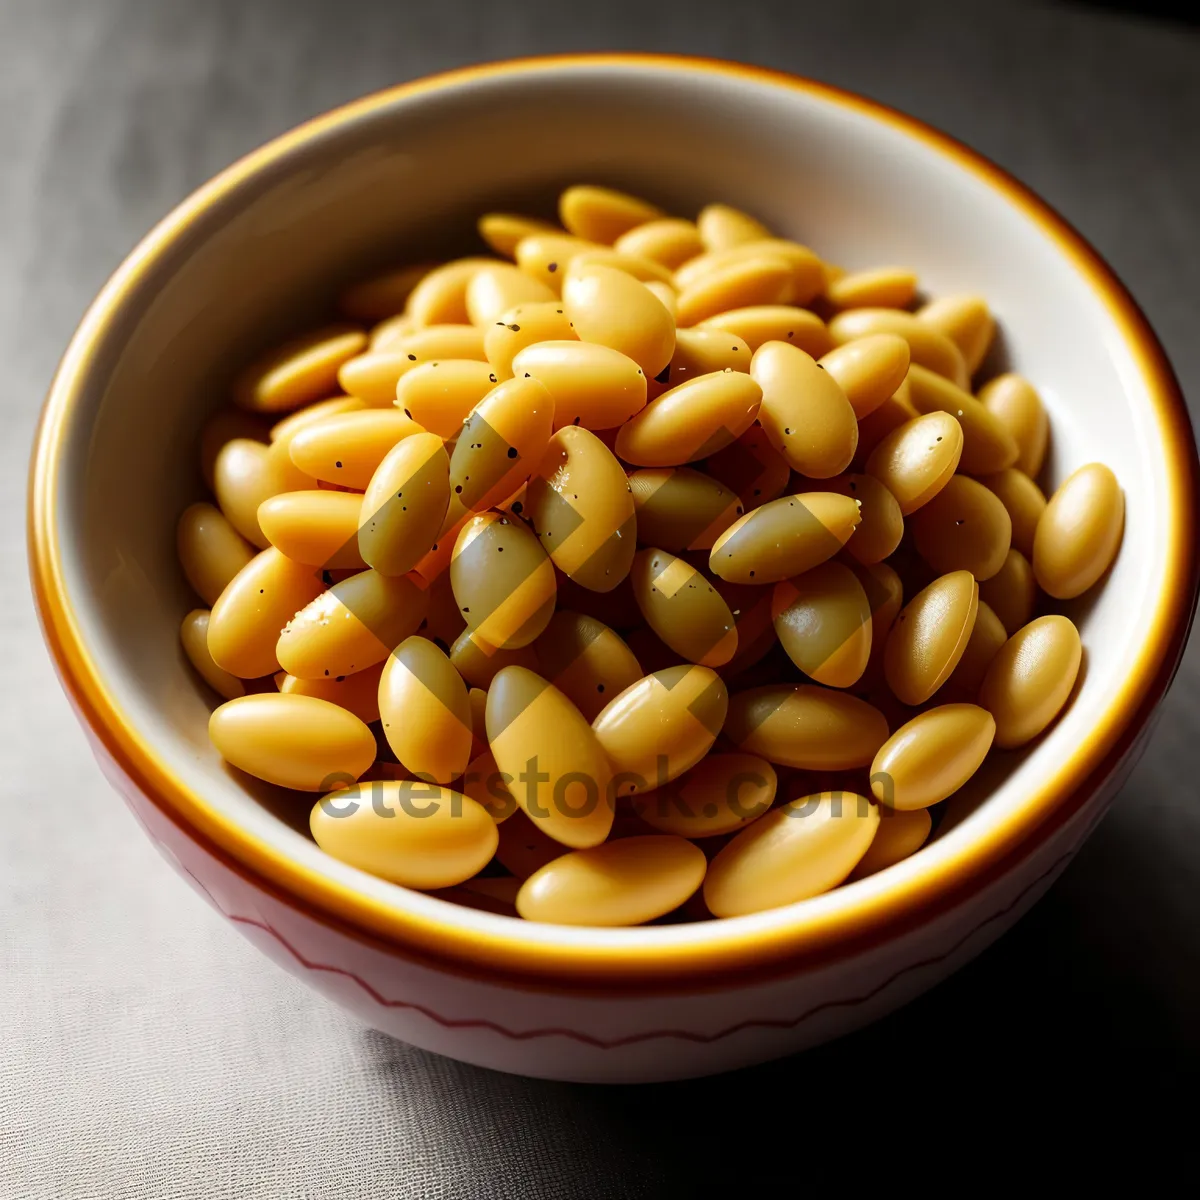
145,1048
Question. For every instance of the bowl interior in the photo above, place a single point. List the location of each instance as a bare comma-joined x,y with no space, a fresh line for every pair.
403,178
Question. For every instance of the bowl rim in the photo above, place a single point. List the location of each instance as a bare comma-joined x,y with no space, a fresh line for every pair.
803,942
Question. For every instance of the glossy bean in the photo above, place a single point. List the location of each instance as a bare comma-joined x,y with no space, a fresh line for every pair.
804,412
868,369
661,726
245,474
409,832
1031,679
405,504
680,509
930,636
523,326
347,449
193,635
964,527
293,741
357,693
928,346
988,446
210,550
440,298
683,608
585,660
1014,402
1024,502
603,214
493,290
916,460
352,626
823,621
503,232
613,309
319,528
932,756
784,538
899,836
298,372
439,396
593,386
799,725
967,321
987,636
721,226
626,882
1011,591
720,794
1080,532
800,850
248,615
667,240
880,287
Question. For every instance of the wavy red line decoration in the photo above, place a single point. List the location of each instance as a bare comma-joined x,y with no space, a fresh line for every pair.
634,1038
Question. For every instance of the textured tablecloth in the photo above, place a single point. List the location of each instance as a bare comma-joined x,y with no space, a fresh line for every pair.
145,1049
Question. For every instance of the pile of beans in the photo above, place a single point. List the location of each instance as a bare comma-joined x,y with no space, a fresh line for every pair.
647,569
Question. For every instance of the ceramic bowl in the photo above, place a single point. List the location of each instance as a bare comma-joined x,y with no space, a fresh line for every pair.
256,254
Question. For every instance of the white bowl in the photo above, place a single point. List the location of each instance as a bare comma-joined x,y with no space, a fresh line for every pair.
257,252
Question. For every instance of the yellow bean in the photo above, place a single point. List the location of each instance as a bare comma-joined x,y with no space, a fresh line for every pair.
603,214
932,756
691,421
1014,402
917,459
668,241
751,467
987,636
440,395
501,441
1079,534
503,581
248,615
1012,591
614,309
210,550
593,386
312,414
504,231
967,321
798,725
927,345
224,426
886,419
412,833
525,325
760,280
626,882
721,793
988,446
387,333
546,256
425,712
808,275
899,836
930,636
441,296
784,538
699,352
683,608
352,626
643,269
661,726
294,741
319,528
1031,679
823,621
800,850
757,324
347,449
666,295
298,372
478,663
383,295
357,693
493,290
1024,502
193,634
560,775
868,369
882,526
680,509
245,474
581,507
405,504
881,287
721,226
585,660
963,528
804,412
885,595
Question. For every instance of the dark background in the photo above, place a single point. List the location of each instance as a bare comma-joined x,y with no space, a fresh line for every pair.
161,1076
